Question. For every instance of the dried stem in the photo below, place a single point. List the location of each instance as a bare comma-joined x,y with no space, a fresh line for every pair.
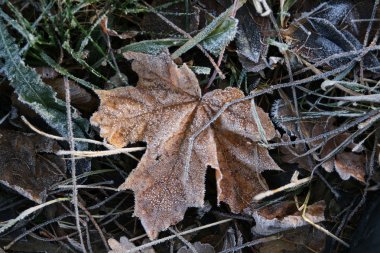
147,245
72,161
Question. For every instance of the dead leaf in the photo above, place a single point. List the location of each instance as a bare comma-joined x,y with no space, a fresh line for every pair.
299,240
346,164
81,99
165,110
253,31
199,247
284,216
350,165
28,165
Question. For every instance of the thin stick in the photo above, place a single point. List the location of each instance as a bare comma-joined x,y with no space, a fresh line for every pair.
291,185
252,243
96,225
320,228
88,187
4,118
186,242
59,138
99,153
8,224
8,246
73,169
147,245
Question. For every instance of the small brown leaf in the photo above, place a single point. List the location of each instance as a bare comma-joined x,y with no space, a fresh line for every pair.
26,166
299,240
284,216
350,165
165,110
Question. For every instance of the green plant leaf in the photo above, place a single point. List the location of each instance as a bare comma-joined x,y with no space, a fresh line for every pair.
153,47
32,91
221,36
213,33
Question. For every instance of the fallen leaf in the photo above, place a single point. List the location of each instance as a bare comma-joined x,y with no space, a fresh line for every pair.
253,31
346,164
165,109
350,165
26,165
299,240
284,216
80,98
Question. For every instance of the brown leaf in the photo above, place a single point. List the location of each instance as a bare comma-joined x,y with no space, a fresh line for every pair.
299,240
284,216
165,110
26,166
81,99
350,165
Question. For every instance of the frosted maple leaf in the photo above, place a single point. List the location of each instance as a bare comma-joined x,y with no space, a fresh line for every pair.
165,109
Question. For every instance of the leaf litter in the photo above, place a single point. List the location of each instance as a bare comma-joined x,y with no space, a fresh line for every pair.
326,123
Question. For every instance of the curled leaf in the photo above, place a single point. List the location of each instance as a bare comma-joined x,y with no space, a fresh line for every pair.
284,216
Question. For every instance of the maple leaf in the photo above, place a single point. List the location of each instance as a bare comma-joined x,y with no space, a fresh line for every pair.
165,109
